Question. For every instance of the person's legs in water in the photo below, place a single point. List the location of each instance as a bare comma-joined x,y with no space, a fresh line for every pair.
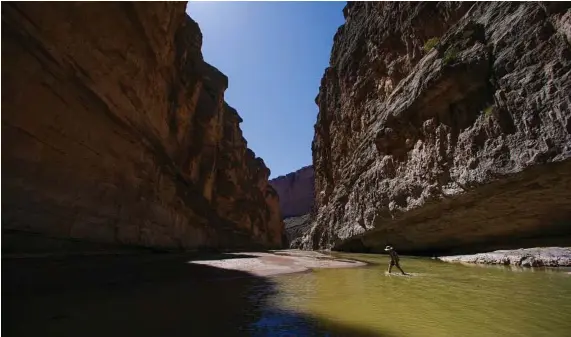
391,264
398,266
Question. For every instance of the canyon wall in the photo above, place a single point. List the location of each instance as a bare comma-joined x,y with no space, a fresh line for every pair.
445,127
115,131
296,192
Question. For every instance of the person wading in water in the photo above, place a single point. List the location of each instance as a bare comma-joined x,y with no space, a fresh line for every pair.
394,259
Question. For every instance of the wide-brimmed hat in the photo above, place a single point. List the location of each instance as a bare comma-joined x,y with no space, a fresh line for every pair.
387,248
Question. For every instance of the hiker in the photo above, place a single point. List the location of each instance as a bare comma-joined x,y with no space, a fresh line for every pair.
394,259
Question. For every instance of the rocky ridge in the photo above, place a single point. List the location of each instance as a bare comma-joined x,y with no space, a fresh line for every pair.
115,131
445,127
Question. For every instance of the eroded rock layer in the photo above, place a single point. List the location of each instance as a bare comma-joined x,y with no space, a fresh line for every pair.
445,127
115,130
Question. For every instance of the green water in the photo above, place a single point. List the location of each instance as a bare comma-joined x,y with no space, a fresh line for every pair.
440,299
164,295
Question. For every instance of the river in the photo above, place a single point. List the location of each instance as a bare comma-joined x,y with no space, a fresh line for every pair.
439,299
167,296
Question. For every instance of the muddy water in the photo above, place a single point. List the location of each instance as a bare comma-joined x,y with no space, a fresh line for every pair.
439,299
167,296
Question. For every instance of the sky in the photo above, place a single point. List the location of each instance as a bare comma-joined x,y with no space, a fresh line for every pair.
274,54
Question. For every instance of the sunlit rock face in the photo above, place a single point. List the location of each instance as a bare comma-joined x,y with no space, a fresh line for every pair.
115,130
445,127
296,192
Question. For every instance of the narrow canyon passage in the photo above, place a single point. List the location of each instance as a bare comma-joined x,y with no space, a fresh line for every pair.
147,192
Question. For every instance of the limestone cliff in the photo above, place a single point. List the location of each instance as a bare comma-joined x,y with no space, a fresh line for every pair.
115,130
296,192
445,127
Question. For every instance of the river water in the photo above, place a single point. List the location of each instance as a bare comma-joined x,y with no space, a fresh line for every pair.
439,299
167,296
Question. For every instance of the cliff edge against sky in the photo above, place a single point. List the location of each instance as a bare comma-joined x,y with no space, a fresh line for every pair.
115,130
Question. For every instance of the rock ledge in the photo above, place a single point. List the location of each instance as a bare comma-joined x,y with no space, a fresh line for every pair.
531,257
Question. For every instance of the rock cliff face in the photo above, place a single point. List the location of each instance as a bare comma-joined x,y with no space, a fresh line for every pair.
115,130
296,228
296,192
445,127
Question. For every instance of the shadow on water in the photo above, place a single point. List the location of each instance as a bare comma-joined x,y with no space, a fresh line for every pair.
146,295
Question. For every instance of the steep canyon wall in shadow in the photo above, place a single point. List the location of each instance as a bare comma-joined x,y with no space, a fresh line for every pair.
115,131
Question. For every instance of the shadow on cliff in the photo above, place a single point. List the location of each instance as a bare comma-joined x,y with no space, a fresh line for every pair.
146,295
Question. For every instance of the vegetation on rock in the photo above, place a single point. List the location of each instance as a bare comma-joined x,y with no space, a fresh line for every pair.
430,44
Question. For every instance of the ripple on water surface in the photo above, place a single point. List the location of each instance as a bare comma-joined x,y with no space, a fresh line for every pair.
437,299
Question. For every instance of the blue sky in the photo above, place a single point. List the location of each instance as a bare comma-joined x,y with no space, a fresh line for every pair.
274,54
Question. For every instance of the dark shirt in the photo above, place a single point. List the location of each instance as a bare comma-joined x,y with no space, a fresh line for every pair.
394,256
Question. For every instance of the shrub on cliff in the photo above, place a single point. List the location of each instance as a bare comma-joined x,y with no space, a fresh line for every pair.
431,43
450,55
488,110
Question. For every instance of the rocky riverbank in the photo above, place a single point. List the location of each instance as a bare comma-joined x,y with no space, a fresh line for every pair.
531,257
